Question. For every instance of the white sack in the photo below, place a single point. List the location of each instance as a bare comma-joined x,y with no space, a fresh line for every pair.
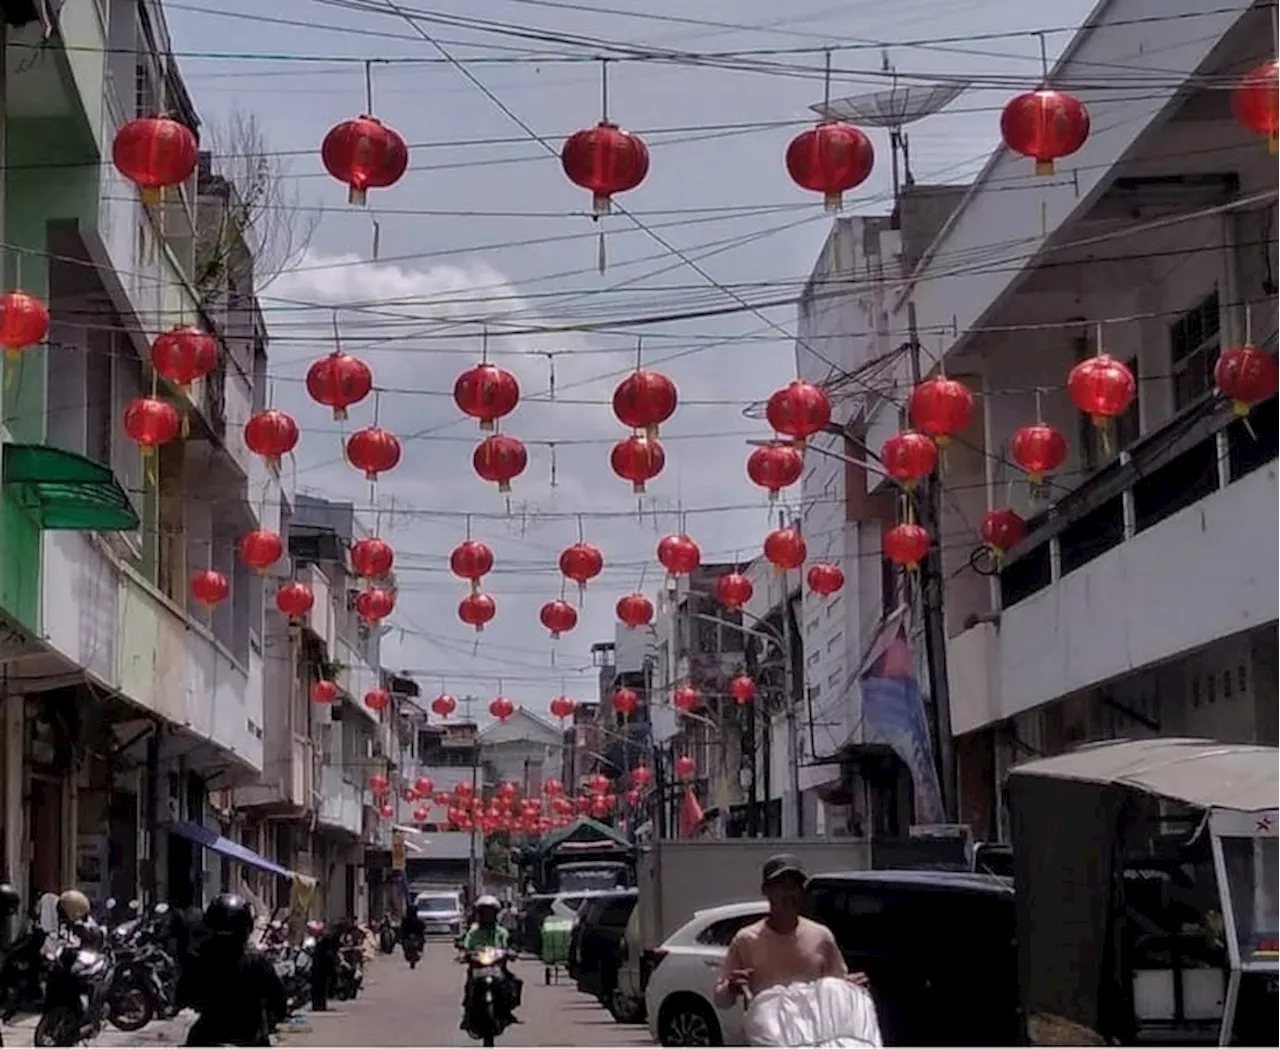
827,1012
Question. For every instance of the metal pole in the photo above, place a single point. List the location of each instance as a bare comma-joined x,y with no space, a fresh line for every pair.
473,865
753,720
931,600
795,689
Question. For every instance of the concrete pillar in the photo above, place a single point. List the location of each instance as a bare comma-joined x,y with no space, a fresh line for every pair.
13,716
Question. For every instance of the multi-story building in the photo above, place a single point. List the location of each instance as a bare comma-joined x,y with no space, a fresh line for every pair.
448,753
524,749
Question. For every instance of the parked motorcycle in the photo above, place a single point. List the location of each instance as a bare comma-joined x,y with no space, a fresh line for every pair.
77,990
349,978
22,974
387,934
412,948
487,1009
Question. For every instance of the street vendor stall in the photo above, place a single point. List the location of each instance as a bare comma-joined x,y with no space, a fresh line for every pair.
1146,881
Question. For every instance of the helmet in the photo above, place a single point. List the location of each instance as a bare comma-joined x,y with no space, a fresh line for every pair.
490,902
230,914
74,905
10,900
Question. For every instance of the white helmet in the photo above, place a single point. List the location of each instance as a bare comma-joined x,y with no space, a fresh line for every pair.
74,905
488,901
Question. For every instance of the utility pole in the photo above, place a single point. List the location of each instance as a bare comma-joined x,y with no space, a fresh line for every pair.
795,688
929,510
473,859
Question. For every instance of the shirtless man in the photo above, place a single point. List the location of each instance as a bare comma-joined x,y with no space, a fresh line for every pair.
783,948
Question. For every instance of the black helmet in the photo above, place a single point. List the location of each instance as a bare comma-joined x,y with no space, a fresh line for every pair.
10,900
229,914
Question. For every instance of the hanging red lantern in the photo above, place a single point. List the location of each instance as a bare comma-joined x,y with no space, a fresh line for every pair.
155,153
386,812
679,554
637,459
373,451
487,393
260,549
210,587
271,434
784,548
185,355
421,815
500,459
502,708
598,783
626,701
294,599
562,707
733,590
775,466
24,322
1101,387
423,785
559,617
553,788
1045,125
325,691
443,705
685,698
825,579
799,410
830,159
581,562
409,795
364,154
908,457
471,560
632,797
441,798
372,558
941,408
1256,102
742,689
634,610
464,789
605,160
685,766
906,545
338,381
1246,376
378,700
1039,449
476,610
1002,529
375,604
379,785
642,776
151,422
644,400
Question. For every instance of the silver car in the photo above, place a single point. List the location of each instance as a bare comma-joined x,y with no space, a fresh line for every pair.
441,913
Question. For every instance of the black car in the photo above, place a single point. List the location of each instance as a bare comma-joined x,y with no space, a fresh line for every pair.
596,939
937,946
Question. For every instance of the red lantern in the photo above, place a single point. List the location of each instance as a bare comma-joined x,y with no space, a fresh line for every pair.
324,691
373,451
294,599
209,587
941,408
379,785
1246,376
1002,529
562,707
830,159
825,579
476,610
906,545
24,322
679,554
151,422
644,400
386,812
559,617
685,766
685,698
471,560
184,355
1044,125
1039,449
581,562
733,590
260,549
440,798
597,783
625,701
378,699
553,788
423,786
487,393
784,548
1256,102
338,381
421,815
632,797
375,604
464,790
1101,387
642,776
799,410
742,689
502,708
443,705
909,457
365,154
155,153
637,459
604,160
634,610
500,459
775,466
372,558
271,434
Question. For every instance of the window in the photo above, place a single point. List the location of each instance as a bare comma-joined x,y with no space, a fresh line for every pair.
721,933
1194,339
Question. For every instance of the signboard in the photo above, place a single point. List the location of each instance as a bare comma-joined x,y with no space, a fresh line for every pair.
399,854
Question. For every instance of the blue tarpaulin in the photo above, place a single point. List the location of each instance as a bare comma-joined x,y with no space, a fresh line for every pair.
233,850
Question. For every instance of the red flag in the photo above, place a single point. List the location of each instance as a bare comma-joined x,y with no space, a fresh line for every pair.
690,814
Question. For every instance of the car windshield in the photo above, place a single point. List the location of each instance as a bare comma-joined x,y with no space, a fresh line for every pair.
437,904
1252,875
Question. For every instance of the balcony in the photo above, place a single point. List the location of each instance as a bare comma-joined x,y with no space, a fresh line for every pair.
1171,547
341,803
357,677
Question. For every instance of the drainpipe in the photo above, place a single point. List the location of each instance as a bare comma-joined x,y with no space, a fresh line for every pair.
152,815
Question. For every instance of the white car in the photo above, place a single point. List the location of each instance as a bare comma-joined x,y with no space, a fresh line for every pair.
441,913
680,995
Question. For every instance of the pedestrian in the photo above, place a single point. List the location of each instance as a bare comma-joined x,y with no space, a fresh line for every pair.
324,966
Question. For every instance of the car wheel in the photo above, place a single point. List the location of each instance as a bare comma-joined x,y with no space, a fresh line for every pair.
624,1010
688,1020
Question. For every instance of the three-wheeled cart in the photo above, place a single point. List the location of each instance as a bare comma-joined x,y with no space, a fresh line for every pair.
555,947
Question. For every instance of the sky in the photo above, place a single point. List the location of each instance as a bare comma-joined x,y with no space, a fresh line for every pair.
487,243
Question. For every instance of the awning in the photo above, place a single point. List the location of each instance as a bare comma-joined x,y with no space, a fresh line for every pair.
233,850
64,491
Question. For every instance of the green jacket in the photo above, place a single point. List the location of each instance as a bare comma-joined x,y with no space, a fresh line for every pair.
478,937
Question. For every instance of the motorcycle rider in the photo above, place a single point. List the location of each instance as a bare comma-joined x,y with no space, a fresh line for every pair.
412,927
233,987
486,932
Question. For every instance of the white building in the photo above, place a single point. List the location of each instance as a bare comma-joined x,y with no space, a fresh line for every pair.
525,749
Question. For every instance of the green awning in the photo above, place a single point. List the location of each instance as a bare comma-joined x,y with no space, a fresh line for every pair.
583,829
66,492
